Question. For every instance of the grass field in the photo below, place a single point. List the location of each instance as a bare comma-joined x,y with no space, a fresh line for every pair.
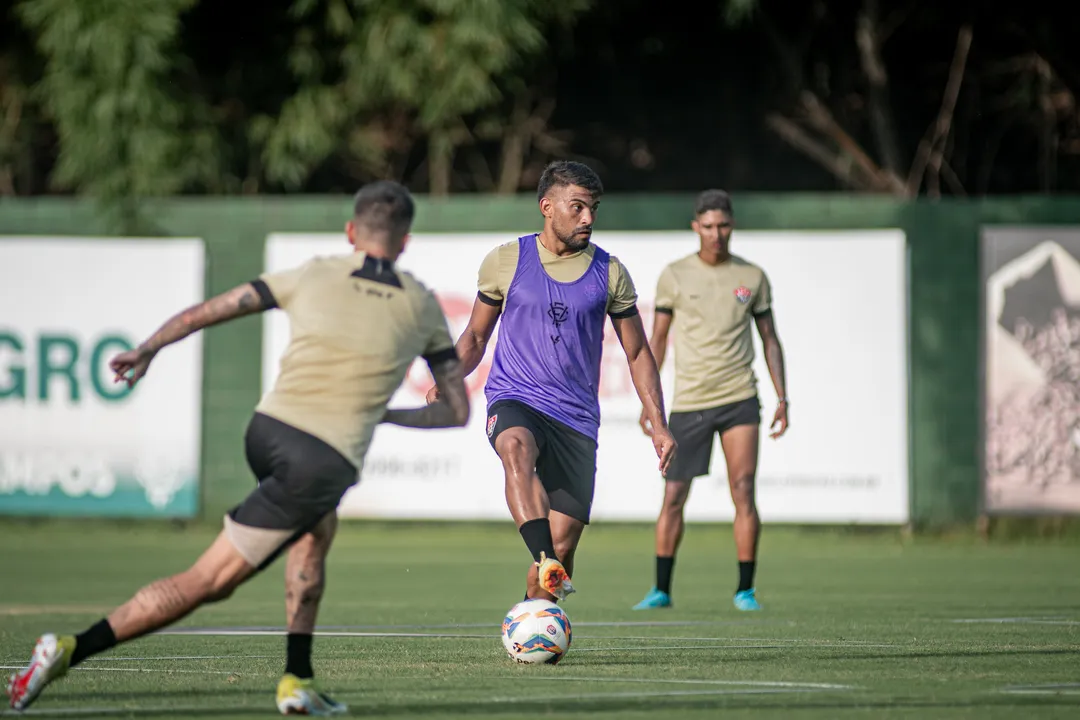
855,625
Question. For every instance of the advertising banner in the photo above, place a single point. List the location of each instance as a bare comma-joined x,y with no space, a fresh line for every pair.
73,442
840,302
1031,361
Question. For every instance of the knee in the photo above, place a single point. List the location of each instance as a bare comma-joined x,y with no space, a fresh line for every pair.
675,499
515,451
564,550
742,492
219,587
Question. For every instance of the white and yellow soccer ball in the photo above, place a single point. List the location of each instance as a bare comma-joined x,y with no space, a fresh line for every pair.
536,631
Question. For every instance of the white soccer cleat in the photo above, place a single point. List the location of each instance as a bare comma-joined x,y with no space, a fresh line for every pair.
296,696
553,578
50,661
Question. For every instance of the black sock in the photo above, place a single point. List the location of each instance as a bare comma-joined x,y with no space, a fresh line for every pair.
97,638
298,656
664,568
746,575
537,537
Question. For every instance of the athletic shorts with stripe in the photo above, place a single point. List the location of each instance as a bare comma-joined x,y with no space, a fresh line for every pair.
694,431
301,480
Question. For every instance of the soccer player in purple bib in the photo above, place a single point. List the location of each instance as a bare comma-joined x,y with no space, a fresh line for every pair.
555,291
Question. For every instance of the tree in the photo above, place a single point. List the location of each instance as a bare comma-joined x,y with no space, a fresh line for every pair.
125,130
423,67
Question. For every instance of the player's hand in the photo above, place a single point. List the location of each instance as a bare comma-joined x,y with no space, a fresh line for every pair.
432,394
665,446
646,426
130,366
779,422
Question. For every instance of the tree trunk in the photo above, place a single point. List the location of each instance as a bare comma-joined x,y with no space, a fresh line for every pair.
440,162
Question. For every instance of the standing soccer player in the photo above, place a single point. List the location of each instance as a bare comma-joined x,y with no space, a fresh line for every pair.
357,325
712,298
554,291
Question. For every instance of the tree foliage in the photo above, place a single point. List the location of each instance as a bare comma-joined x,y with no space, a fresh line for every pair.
123,99
430,64
124,131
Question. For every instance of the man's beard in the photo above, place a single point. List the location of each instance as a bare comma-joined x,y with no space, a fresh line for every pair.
575,241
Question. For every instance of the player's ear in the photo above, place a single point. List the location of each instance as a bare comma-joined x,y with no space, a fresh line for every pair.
694,226
405,242
350,232
547,208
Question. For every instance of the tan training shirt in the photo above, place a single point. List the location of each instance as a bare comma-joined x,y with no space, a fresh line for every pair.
357,323
712,313
498,268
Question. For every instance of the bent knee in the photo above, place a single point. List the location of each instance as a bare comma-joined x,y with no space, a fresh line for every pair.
565,551
516,445
220,588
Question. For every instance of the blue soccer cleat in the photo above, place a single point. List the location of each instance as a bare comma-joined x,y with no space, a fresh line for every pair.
654,599
745,600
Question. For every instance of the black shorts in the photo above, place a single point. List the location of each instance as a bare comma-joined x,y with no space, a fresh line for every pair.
694,431
301,480
567,461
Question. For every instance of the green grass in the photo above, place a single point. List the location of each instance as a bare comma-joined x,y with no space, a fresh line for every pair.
871,612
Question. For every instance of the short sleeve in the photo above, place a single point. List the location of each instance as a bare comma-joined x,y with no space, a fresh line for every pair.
440,346
277,289
763,301
667,291
622,295
487,281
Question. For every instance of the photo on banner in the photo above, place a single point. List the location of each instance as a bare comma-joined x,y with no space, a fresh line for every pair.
1031,370
72,441
840,301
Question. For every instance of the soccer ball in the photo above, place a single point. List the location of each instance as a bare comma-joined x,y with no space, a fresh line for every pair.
536,631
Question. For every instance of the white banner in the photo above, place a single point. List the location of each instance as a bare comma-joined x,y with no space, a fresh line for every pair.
72,442
841,313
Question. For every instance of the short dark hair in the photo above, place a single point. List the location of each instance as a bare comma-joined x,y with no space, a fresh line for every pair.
713,200
384,207
567,172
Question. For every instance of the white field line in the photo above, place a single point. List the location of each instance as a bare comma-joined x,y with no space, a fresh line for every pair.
1019,621
1051,689
180,709
244,632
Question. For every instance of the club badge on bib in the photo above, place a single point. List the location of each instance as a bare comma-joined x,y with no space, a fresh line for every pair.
742,294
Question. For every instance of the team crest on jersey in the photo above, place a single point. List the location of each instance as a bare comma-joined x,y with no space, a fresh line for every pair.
742,294
491,423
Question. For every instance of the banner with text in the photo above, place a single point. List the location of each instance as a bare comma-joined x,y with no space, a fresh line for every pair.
1031,358
73,442
840,307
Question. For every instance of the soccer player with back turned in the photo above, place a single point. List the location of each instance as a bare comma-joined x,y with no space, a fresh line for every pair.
357,323
554,291
711,298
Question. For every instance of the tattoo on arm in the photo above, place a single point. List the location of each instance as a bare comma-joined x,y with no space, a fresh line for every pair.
450,410
240,301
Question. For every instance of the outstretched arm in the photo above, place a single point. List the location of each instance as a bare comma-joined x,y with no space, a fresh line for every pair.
774,359
646,377
452,407
242,300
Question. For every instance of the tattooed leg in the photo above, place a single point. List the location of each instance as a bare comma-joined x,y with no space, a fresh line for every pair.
305,579
305,576
213,577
